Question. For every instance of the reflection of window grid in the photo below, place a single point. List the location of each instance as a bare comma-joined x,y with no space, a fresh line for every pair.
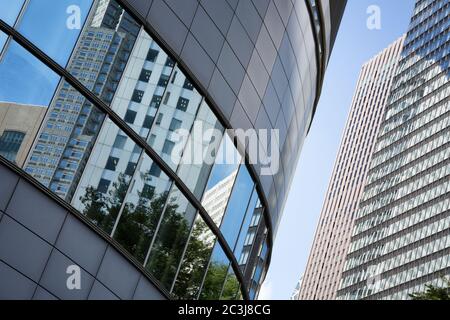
182,104
137,96
188,85
159,118
103,185
152,55
175,125
130,116
111,164
163,81
156,100
130,168
168,147
145,75
147,122
155,170
120,141
10,143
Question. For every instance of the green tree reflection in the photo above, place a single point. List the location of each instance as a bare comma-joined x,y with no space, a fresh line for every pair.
137,227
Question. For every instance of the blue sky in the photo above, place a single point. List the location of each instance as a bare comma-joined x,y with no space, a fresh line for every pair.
355,45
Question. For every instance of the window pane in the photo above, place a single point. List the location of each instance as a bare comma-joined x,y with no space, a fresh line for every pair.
3,38
232,287
54,26
216,275
171,239
101,191
195,261
65,141
167,140
137,95
254,213
143,208
24,79
237,206
10,10
201,150
26,90
221,180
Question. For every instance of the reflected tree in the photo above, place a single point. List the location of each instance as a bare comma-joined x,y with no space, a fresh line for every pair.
138,226
103,209
195,262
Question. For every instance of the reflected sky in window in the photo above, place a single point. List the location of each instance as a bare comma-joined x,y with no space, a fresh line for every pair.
227,161
24,79
3,38
10,10
237,206
54,26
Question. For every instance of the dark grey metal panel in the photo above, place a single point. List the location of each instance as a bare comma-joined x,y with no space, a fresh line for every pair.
14,286
79,243
118,275
54,279
28,256
8,182
37,212
23,250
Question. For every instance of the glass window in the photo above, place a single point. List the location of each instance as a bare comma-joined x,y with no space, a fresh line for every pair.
221,180
237,206
216,275
195,261
26,90
54,26
120,142
171,239
103,205
141,213
10,10
3,38
112,163
145,75
24,79
254,210
152,55
182,104
175,124
169,119
201,150
232,288
10,142
168,147
130,116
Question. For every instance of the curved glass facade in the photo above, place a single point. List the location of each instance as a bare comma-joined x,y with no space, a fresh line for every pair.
74,148
96,111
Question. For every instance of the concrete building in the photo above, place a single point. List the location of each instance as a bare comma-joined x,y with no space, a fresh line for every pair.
334,230
401,235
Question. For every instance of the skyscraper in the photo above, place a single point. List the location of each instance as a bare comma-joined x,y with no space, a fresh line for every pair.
401,236
327,257
111,185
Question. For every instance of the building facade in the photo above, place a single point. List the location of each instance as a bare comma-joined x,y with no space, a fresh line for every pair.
401,236
112,185
329,249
